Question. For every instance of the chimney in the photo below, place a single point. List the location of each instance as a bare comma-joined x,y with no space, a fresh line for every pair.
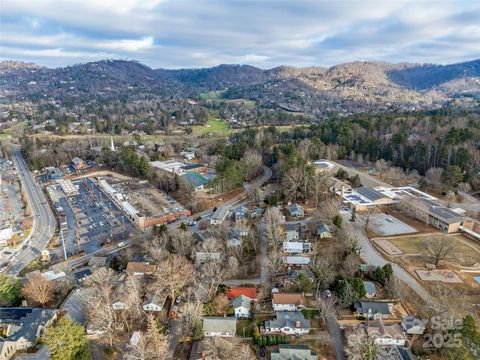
297,324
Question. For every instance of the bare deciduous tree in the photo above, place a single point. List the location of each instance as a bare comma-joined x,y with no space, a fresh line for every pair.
361,347
174,273
438,249
433,176
152,345
38,290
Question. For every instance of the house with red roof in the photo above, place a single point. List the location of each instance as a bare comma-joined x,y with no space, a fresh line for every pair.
249,292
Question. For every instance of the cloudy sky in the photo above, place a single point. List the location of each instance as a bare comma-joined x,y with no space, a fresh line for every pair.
263,33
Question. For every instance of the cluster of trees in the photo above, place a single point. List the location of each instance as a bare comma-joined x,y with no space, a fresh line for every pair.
348,290
10,290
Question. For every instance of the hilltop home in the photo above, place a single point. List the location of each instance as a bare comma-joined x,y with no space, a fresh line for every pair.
219,326
289,323
21,328
289,352
288,301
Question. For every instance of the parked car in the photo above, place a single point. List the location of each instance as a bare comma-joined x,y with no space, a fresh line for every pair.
262,351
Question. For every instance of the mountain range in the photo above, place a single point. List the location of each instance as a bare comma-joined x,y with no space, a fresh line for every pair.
355,86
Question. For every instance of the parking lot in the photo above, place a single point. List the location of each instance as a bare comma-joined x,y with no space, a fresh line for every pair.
387,225
97,218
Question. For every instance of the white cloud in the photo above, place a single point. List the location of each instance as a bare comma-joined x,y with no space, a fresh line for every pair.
263,33
127,45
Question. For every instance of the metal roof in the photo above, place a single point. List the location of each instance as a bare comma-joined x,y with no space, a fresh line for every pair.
370,193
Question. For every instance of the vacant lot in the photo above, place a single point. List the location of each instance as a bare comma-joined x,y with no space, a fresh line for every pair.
213,127
465,252
13,130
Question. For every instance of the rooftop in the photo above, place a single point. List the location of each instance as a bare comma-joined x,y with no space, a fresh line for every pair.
289,319
219,324
289,298
370,193
249,292
195,180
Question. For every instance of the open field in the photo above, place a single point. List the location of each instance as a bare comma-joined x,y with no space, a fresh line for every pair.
465,252
15,129
217,96
213,127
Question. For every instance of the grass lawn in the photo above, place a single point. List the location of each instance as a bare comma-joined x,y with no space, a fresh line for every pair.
465,252
244,324
211,95
15,129
214,127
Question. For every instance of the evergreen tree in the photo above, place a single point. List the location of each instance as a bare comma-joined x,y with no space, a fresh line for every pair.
66,340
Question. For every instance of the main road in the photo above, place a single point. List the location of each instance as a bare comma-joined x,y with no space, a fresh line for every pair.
44,223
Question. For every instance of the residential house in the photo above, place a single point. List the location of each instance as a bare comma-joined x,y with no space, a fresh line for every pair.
386,334
219,215
370,289
291,232
188,155
119,305
412,326
293,275
288,301
203,256
235,237
323,231
289,323
296,247
135,338
242,306
82,274
240,213
22,327
140,268
257,213
296,210
295,261
78,163
154,303
249,292
219,326
290,351
196,181
373,310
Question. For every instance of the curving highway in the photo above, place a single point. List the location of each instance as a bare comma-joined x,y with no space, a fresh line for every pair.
44,223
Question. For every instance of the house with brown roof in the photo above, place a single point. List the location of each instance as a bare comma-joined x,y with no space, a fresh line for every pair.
140,268
249,292
288,301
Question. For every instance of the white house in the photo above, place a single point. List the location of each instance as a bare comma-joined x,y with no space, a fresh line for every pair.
296,210
296,247
295,261
154,303
288,301
119,305
219,326
287,322
242,306
412,326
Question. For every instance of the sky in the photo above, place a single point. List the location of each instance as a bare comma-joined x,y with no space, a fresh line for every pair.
262,33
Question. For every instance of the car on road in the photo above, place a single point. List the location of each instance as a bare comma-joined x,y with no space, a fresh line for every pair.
122,243
263,351
192,223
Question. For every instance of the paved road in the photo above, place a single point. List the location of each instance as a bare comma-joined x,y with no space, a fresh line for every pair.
366,180
336,335
44,223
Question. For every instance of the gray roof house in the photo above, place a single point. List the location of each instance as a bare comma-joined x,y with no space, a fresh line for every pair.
370,289
373,309
219,326
323,230
296,210
22,327
154,303
240,213
219,215
296,352
412,326
242,306
288,322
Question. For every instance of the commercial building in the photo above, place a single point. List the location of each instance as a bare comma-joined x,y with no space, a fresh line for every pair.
178,167
6,236
141,202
